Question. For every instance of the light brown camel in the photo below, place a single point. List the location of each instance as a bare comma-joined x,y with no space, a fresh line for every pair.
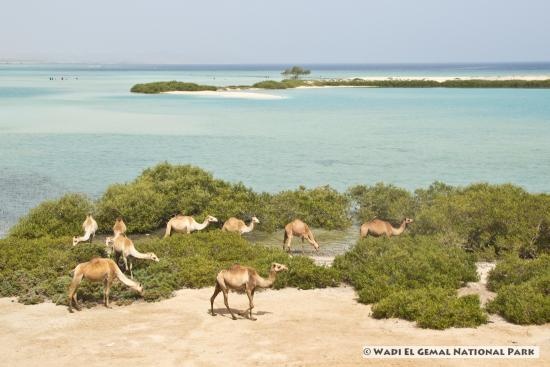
238,226
119,227
299,229
184,223
99,270
90,227
377,227
243,278
122,245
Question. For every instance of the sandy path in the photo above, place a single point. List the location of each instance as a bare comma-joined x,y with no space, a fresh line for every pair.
323,327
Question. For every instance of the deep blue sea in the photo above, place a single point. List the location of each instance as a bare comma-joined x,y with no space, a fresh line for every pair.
86,131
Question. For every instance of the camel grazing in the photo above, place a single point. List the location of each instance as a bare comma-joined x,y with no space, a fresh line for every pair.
99,270
299,229
122,245
90,227
184,223
238,226
244,278
377,227
119,227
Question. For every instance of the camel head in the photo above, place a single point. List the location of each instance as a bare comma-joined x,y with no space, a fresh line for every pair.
276,267
75,240
255,220
138,288
153,257
211,219
408,220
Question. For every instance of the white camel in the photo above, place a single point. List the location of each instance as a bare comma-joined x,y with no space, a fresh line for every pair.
184,223
90,227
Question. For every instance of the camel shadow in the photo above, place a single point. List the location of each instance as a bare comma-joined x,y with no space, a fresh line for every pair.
225,313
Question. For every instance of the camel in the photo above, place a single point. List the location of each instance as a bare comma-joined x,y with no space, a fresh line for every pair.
377,227
90,227
238,226
122,245
183,223
244,278
299,229
99,270
119,227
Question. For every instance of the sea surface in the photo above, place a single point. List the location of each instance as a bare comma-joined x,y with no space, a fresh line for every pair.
77,128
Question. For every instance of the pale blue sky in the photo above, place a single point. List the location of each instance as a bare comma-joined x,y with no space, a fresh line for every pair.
281,31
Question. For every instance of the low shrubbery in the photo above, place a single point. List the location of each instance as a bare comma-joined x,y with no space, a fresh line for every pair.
171,86
488,220
433,308
158,87
523,290
160,192
413,278
35,270
54,218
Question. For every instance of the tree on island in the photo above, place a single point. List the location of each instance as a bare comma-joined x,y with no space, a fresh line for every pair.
295,72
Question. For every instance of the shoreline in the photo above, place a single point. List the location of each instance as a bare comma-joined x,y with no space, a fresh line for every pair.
237,93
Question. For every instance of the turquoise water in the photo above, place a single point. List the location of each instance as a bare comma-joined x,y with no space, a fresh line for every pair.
87,131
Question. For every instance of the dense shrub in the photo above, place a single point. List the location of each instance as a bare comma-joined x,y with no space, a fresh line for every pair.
523,290
159,87
382,201
434,308
378,267
413,278
165,190
35,270
54,218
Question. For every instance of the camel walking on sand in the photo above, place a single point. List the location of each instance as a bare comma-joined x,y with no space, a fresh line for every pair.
119,227
377,227
90,227
238,226
99,270
124,246
242,278
299,229
184,223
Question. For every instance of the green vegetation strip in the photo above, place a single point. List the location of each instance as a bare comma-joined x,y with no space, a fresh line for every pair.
36,270
523,290
171,86
414,279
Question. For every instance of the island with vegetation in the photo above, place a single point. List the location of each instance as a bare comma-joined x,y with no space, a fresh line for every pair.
415,275
292,80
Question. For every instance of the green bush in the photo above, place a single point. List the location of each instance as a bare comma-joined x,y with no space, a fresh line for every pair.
434,308
36,270
377,267
171,86
382,201
414,278
54,218
166,190
523,290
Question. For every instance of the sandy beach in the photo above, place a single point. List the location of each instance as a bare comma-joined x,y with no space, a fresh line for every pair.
321,327
445,78
230,94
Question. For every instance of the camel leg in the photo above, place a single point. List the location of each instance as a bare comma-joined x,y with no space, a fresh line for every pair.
216,292
72,292
107,288
312,243
287,243
125,262
225,294
250,302
168,230
131,274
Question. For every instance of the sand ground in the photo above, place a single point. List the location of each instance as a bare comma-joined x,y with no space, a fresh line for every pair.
322,327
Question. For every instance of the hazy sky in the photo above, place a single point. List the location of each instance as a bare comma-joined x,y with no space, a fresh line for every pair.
277,31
